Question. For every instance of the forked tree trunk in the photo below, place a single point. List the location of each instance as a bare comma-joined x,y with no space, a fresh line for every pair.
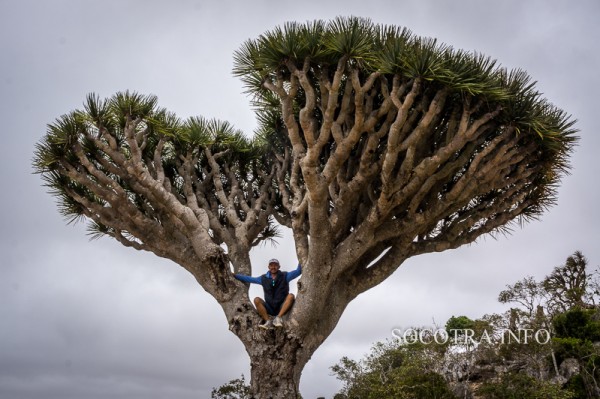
278,355
277,358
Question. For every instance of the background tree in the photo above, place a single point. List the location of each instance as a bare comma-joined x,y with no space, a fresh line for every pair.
528,293
234,389
577,337
564,304
521,386
394,370
593,291
567,285
531,313
374,145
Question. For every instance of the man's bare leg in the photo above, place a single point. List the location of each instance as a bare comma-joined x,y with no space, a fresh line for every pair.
287,305
261,309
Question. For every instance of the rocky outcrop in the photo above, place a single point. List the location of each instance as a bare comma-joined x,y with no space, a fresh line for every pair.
465,372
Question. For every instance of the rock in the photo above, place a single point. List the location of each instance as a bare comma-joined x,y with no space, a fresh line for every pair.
461,390
568,368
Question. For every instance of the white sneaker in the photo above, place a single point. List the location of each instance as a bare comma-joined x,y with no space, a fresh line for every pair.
266,324
277,322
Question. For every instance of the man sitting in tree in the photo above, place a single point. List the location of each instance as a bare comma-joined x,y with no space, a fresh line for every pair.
278,300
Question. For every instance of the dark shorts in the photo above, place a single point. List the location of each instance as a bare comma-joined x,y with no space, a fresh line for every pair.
273,310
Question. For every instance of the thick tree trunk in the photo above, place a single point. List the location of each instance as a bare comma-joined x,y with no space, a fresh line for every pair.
276,365
278,355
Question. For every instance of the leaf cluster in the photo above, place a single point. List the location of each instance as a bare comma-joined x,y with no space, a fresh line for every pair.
320,48
101,140
358,43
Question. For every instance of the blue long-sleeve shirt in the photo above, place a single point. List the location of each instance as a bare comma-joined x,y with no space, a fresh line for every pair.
256,280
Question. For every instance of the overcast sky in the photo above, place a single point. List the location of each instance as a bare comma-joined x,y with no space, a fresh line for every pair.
92,319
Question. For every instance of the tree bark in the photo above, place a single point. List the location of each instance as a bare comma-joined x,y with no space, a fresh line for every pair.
277,356
276,365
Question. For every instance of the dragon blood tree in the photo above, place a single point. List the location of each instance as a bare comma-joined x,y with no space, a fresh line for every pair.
374,145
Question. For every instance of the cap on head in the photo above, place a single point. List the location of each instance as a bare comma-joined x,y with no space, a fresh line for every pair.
273,261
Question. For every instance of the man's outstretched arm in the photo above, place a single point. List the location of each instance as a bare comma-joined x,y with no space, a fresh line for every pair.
294,273
247,279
